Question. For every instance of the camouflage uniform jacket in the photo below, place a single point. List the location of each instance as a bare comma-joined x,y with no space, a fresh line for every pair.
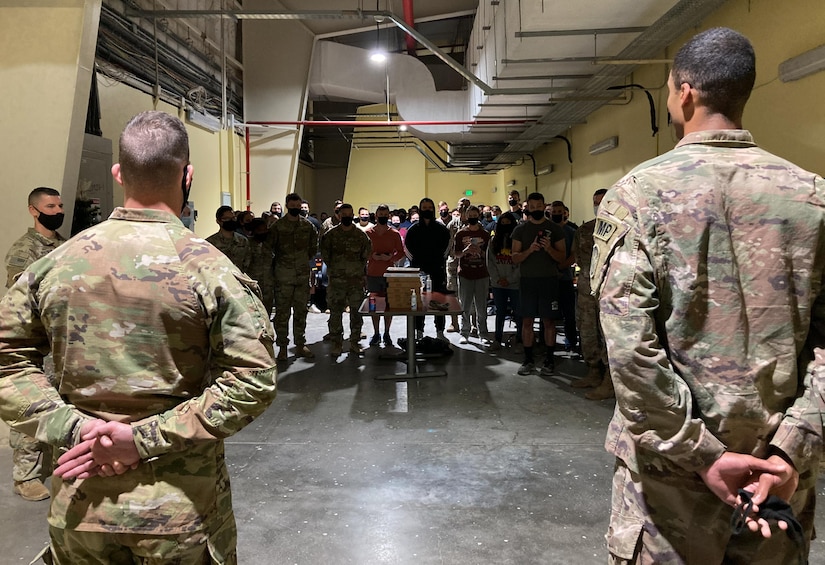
260,262
29,248
346,252
149,325
235,247
709,263
294,243
583,250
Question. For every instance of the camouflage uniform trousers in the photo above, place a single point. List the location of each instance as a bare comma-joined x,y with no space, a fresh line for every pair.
73,547
343,292
291,296
32,459
591,339
268,296
668,516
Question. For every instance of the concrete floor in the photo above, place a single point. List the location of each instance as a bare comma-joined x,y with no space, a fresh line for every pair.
483,467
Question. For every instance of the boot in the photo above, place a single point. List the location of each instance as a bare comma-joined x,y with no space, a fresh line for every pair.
304,351
593,378
603,391
355,347
32,490
282,354
337,348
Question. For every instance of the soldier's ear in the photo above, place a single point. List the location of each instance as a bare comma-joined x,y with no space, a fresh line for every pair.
116,174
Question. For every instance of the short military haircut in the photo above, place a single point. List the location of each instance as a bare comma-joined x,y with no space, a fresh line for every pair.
472,208
382,207
223,210
40,192
363,208
720,64
536,196
154,149
557,203
600,192
515,193
344,206
425,199
292,197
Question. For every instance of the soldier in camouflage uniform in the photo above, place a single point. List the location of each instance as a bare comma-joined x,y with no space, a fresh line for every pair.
31,459
260,263
228,241
587,314
161,350
708,261
345,250
294,242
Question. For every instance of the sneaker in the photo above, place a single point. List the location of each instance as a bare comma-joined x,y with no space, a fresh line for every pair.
282,355
304,351
494,346
376,339
31,490
464,340
549,368
387,340
526,368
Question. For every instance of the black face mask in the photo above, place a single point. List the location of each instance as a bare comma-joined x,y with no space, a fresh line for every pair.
558,218
230,225
445,213
185,189
365,218
488,216
293,211
512,202
51,221
304,213
395,224
383,220
427,214
537,214
472,221
346,221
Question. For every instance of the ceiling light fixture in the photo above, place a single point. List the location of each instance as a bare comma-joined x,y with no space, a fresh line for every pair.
604,145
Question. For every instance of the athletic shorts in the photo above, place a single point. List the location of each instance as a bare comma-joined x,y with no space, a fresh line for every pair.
540,298
377,284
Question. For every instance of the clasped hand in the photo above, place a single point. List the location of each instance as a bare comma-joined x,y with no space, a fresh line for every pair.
106,449
762,477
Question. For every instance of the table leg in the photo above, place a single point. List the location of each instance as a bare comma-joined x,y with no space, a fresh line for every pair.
412,371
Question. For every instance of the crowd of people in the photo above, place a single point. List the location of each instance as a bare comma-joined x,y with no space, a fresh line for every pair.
519,264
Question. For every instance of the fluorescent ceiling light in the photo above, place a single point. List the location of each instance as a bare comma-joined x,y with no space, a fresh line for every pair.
545,170
604,145
803,65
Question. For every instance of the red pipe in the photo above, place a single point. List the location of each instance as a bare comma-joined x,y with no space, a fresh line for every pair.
409,17
372,124
248,179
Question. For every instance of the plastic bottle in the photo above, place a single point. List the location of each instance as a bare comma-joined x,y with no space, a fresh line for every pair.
413,300
428,285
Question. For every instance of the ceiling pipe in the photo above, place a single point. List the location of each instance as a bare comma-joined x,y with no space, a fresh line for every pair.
384,123
409,17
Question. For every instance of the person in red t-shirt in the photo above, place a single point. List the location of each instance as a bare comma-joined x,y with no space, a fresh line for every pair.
470,249
387,248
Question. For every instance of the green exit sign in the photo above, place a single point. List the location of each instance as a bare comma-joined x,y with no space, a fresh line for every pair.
468,193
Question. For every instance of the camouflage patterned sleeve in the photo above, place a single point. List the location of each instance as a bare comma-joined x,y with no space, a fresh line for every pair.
242,356
366,249
28,401
325,247
653,403
313,243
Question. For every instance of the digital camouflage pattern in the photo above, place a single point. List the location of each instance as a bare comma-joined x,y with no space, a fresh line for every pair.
345,252
294,243
708,261
260,270
235,247
30,247
587,306
149,325
31,459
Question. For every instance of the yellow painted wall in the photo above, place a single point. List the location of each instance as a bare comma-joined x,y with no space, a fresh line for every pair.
218,158
396,177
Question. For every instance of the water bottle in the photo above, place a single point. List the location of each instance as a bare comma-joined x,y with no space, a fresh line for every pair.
428,285
413,300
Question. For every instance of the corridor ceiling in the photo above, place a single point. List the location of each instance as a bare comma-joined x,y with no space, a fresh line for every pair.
536,67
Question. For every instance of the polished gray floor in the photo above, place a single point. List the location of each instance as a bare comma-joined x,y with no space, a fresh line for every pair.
481,467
